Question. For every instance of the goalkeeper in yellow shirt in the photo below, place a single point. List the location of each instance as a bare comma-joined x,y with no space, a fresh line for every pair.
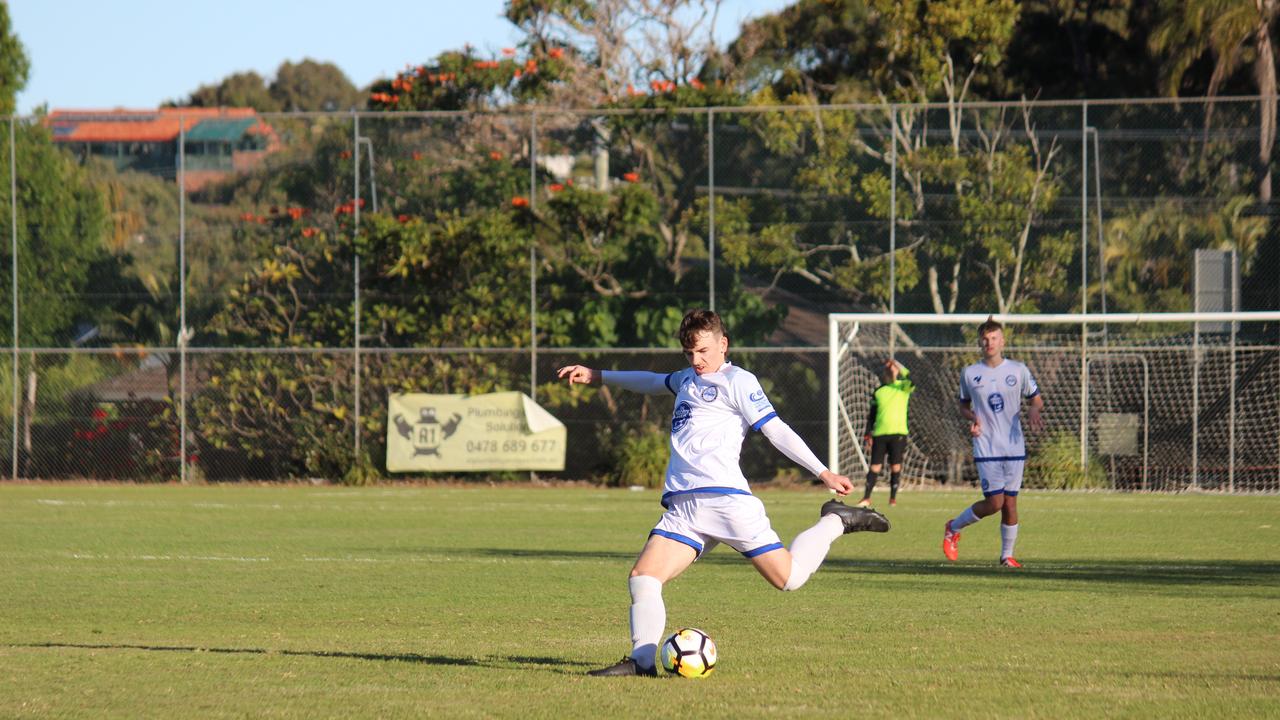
886,432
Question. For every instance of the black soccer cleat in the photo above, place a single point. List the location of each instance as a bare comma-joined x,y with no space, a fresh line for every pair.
856,519
625,666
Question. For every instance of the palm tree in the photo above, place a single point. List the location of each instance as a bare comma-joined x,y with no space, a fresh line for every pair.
1225,29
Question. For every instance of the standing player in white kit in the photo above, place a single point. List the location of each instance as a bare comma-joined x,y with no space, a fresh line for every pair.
991,395
707,498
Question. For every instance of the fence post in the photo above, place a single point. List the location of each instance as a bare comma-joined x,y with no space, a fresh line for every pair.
893,221
533,260
355,271
711,206
182,299
13,257
1084,287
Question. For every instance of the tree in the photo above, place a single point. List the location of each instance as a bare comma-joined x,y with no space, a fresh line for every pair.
305,86
1233,33
243,89
14,64
313,86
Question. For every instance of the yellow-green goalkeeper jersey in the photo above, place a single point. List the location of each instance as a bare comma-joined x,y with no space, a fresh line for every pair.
888,415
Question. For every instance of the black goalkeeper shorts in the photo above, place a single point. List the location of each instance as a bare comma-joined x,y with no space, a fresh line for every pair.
894,445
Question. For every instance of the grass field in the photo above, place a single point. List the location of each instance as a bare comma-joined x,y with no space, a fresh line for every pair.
304,602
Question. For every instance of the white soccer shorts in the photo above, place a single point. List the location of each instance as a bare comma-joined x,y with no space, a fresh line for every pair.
703,521
1000,477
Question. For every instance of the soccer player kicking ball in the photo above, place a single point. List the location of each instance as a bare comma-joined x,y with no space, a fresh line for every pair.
706,496
991,395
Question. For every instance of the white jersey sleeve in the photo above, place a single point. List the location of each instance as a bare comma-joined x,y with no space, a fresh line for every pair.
649,383
749,399
792,445
1029,387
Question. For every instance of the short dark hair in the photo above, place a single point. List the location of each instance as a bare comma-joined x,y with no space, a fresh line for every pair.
699,321
991,325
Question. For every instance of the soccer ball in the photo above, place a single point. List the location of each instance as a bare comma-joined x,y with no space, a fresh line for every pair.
689,653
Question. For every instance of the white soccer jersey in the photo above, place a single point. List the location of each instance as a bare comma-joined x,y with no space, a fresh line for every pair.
712,415
995,395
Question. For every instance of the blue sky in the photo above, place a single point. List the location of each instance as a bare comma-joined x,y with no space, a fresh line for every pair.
139,53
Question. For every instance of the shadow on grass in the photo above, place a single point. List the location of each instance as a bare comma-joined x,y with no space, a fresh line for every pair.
508,662
1133,571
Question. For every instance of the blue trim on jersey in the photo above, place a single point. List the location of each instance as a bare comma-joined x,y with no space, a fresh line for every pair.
993,492
762,550
666,498
667,381
760,423
1000,458
1037,392
697,546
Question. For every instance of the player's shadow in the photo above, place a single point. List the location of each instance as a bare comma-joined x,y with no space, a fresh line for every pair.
504,662
1120,573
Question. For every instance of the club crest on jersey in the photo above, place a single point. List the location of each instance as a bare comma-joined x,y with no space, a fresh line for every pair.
680,417
710,394
996,401
757,396
1010,380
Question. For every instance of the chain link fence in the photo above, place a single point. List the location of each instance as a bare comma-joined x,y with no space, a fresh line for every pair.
252,326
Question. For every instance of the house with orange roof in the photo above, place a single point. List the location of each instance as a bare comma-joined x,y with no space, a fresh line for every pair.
217,141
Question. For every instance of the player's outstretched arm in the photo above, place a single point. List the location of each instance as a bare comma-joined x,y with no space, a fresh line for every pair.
793,446
649,383
580,374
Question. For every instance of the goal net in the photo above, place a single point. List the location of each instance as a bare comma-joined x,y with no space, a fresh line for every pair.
1168,401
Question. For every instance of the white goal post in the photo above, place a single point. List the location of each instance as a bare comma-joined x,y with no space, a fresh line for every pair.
1135,401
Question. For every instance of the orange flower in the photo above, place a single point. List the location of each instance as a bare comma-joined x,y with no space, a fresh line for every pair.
531,66
417,155
631,177
556,53
296,212
402,218
509,52
517,74
555,187
309,232
495,155
248,217
344,154
697,84
631,90
520,201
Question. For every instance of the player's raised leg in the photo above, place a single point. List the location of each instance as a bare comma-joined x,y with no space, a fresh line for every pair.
662,559
791,569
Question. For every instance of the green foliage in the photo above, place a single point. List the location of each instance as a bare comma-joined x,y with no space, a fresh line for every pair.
1056,466
62,226
641,457
304,86
450,281
14,64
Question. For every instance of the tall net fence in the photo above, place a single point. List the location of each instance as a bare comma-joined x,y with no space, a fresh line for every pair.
1131,402
238,300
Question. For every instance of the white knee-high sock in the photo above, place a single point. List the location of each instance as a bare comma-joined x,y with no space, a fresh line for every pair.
810,548
964,519
1008,536
648,619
